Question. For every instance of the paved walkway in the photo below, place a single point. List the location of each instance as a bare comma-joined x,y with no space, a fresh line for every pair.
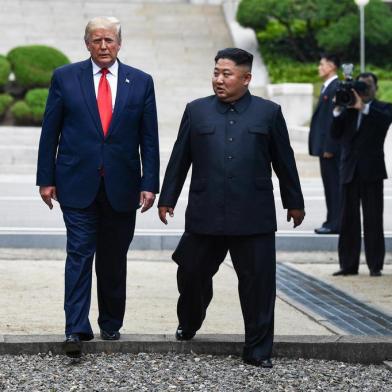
31,294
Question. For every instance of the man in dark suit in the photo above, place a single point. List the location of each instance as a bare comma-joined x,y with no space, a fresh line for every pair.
322,145
362,128
99,113
231,139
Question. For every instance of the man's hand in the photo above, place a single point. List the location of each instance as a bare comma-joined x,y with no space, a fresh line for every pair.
47,194
297,215
146,200
359,104
162,211
327,155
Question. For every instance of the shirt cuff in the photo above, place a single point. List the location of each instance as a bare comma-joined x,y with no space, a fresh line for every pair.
366,109
337,112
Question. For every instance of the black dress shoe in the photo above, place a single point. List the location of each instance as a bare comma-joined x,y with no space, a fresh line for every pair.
325,230
263,363
86,337
110,335
343,272
183,335
375,273
72,346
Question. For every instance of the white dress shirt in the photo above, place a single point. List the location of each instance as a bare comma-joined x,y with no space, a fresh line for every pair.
111,77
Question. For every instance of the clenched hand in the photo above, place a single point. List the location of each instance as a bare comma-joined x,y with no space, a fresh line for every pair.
47,194
297,215
162,211
146,200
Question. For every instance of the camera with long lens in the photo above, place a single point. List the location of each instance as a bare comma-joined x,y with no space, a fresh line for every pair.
344,93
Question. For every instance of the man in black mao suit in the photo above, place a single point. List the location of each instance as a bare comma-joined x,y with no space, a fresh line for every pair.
322,145
362,129
231,139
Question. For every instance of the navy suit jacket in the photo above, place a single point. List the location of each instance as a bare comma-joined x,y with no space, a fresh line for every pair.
231,150
320,138
363,148
73,150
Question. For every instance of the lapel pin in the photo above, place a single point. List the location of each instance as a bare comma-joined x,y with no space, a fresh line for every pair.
126,80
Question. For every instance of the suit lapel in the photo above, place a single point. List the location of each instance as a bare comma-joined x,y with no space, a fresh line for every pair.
88,90
325,93
124,85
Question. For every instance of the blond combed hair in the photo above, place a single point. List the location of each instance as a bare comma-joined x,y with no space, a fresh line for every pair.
103,22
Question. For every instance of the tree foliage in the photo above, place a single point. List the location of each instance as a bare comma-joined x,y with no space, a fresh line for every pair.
302,29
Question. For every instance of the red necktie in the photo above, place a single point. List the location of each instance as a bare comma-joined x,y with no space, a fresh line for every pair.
104,101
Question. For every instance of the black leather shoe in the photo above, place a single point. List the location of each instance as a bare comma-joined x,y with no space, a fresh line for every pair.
375,273
343,272
182,335
86,337
263,363
72,346
325,230
110,335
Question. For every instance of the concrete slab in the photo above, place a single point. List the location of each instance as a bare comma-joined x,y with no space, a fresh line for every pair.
31,300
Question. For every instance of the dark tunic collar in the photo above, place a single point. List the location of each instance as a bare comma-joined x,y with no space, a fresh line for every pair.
239,106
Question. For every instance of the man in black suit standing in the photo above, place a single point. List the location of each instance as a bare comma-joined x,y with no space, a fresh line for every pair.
362,128
231,139
322,145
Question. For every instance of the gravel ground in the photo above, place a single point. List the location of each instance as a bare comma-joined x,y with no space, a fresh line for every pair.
173,372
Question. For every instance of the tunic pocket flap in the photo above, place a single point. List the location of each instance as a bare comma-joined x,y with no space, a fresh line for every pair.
206,130
262,130
264,183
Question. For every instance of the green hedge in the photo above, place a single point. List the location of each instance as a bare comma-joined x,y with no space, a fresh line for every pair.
5,69
304,29
31,110
5,102
289,71
33,65
385,90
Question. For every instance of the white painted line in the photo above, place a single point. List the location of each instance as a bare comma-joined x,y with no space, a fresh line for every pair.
20,198
182,199
153,232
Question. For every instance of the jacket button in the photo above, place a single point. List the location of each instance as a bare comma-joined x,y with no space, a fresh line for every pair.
229,157
230,139
231,122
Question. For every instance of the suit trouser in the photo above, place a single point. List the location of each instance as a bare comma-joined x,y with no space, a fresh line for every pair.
370,194
99,230
199,257
330,174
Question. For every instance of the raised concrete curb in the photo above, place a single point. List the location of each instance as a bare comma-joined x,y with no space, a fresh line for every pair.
340,348
161,240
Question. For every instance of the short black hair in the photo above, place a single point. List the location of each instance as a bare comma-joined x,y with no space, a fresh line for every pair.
368,75
333,58
239,56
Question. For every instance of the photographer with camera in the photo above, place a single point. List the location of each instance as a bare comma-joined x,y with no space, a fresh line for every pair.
322,145
361,123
